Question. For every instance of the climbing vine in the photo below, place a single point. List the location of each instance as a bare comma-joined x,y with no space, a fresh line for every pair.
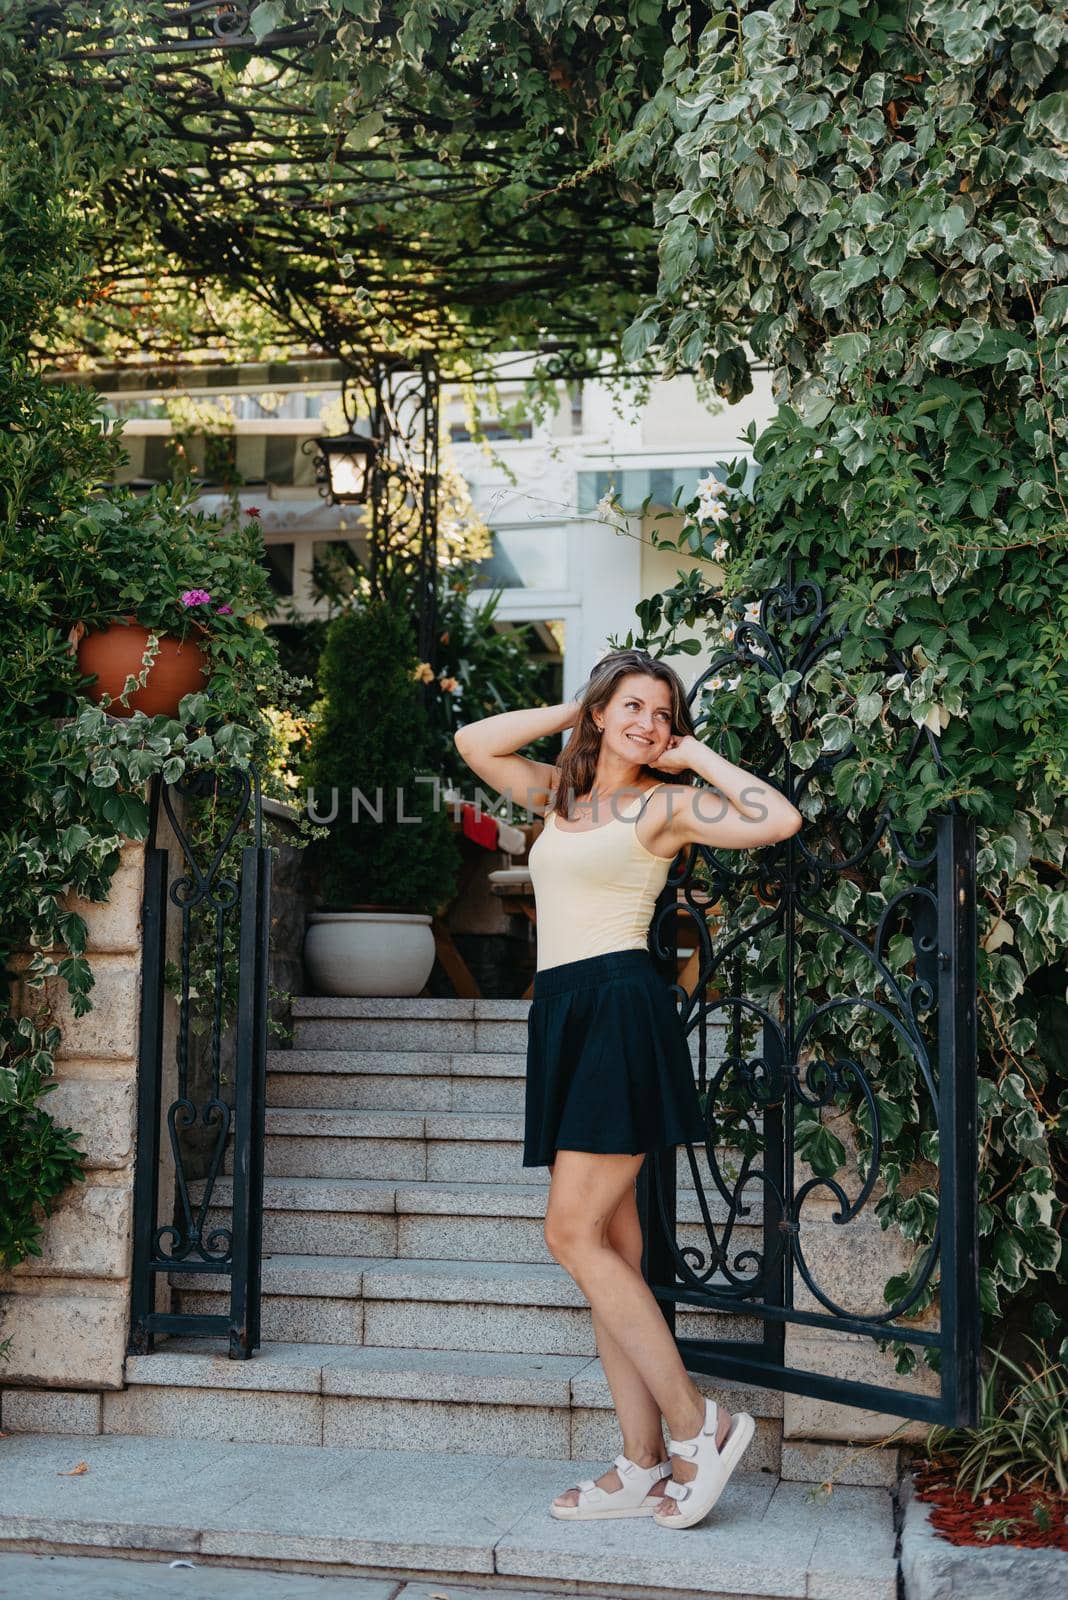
875,201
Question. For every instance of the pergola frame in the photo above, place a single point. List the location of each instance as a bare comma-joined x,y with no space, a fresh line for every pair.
342,243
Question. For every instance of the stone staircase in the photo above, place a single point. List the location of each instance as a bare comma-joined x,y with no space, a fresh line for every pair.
411,1309
404,1258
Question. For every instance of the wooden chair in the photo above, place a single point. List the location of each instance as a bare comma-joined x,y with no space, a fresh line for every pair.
510,841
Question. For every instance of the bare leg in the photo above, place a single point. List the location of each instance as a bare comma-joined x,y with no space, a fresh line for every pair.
637,1411
586,1189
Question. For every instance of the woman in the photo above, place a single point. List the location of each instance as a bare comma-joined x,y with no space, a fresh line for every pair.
609,1075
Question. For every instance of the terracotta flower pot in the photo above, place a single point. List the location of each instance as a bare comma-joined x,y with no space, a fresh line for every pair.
114,653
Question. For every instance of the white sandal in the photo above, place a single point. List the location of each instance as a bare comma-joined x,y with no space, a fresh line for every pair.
714,1467
631,1499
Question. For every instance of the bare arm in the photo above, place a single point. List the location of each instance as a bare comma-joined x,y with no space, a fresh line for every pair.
489,747
739,812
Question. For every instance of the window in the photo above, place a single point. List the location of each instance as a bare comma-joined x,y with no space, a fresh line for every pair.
278,559
525,558
493,428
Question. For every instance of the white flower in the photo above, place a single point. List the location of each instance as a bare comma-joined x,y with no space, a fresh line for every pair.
714,511
752,612
711,486
607,506
817,454
720,550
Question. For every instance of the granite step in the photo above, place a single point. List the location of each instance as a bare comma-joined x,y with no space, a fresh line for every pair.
431,1305
401,1080
461,1520
361,1396
445,1221
425,1025
328,1022
433,1146
420,1008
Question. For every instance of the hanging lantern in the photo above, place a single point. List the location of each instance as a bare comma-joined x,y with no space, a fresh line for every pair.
344,467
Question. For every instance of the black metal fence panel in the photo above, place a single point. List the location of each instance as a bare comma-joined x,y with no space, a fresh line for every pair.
807,1086
203,1090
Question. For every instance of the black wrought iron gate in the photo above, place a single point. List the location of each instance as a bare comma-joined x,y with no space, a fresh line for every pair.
824,1101
206,1083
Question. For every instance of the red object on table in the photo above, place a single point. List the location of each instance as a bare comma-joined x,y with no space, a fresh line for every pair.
479,827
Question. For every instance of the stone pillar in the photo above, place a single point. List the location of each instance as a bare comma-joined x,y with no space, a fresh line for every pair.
66,1312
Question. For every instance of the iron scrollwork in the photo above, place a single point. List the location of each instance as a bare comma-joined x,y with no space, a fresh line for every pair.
203,1077
399,402
805,1084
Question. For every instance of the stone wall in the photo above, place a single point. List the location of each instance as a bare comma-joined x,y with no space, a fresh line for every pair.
67,1312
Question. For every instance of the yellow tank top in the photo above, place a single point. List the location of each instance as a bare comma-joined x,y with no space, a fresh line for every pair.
595,891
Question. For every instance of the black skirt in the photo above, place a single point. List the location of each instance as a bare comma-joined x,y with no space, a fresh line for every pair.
608,1066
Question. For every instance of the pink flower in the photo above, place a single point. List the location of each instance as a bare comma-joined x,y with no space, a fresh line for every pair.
224,611
195,597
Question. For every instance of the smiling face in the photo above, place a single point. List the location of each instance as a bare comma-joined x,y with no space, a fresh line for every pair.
637,720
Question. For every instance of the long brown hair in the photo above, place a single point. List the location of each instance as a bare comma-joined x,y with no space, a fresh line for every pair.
577,765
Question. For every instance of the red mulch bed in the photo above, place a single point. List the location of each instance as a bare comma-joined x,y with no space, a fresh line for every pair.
960,1519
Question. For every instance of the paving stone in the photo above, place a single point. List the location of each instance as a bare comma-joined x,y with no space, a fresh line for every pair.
337,1277
450,1161
517,1010
733,1552
361,1513
334,1124
316,1194
854,1357
108,1031
853,1558
427,1591
136,1494
102,1109
482,1515
99,1578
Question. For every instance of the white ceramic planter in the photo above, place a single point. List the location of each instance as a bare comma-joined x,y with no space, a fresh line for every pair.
368,952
